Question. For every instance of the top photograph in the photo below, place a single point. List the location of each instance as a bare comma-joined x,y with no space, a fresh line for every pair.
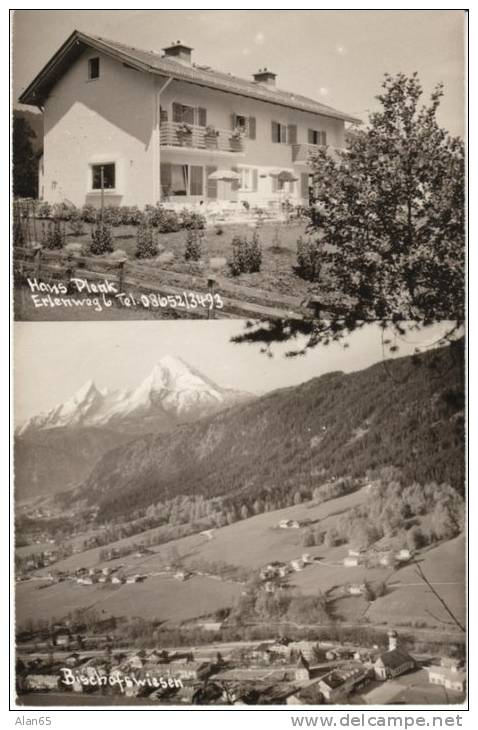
278,166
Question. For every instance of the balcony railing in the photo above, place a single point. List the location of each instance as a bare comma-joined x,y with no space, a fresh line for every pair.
302,152
173,135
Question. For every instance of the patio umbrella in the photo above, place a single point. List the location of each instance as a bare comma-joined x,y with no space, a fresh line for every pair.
286,176
225,175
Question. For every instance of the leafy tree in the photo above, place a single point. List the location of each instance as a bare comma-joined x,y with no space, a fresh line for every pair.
25,166
388,224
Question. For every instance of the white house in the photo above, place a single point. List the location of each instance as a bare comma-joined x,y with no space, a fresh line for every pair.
449,676
149,126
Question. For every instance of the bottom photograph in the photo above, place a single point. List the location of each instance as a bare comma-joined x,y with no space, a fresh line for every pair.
202,519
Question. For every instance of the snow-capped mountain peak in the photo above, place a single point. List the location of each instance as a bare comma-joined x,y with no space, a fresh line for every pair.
172,390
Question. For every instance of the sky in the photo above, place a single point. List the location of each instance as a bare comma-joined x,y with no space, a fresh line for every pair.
52,360
335,56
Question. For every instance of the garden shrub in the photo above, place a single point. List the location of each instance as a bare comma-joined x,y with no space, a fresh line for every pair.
193,251
246,255
89,213
112,215
43,210
189,219
146,246
131,215
63,211
101,239
53,235
307,259
76,224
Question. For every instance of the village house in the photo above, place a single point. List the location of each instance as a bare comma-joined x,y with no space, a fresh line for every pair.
40,682
340,682
275,569
62,637
356,589
147,126
289,524
448,675
351,561
403,555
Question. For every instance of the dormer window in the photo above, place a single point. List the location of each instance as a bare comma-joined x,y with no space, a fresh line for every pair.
93,68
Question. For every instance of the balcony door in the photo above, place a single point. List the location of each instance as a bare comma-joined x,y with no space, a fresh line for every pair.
193,115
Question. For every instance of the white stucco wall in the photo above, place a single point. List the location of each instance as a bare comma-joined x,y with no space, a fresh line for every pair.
113,118
109,119
261,153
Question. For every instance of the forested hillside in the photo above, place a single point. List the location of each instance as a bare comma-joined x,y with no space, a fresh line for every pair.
407,413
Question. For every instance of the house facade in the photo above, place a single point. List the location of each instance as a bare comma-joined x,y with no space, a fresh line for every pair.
140,127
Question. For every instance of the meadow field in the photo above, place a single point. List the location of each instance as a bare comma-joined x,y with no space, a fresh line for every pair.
252,543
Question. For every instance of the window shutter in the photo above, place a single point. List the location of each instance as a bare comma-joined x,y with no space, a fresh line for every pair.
274,184
254,180
323,138
310,136
177,112
211,185
292,133
165,177
196,186
233,121
252,127
202,117
163,114
275,132
283,133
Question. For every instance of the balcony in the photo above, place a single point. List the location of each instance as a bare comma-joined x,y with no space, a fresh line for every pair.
222,142
302,152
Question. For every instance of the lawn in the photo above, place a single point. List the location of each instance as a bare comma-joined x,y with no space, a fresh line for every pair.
278,274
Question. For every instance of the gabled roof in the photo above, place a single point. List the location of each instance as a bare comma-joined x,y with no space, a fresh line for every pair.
394,659
154,63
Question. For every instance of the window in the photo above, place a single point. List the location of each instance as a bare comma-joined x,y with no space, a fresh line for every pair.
189,115
246,125
316,137
182,179
279,132
94,68
109,175
179,179
248,181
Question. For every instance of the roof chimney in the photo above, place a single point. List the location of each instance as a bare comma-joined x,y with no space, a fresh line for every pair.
263,76
179,52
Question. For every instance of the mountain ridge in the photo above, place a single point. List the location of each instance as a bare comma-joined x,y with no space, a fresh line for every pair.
171,388
406,413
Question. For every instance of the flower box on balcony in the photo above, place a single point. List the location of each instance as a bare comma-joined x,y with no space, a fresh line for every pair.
210,137
184,133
